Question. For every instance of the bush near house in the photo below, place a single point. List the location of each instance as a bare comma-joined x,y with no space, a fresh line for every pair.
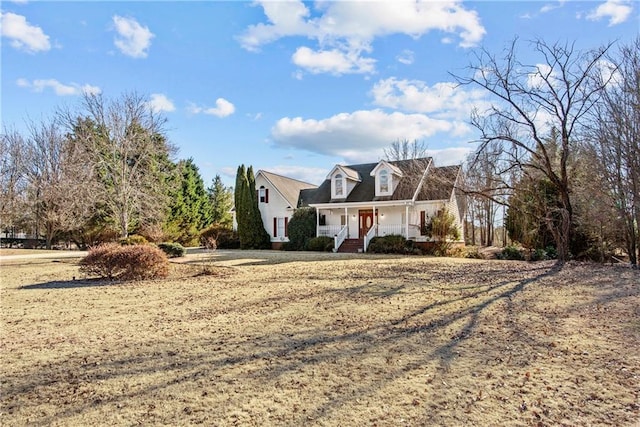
391,244
219,236
302,228
172,250
320,244
130,262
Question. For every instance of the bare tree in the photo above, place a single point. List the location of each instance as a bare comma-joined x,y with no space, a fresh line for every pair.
614,141
405,150
12,182
530,100
128,151
59,183
487,184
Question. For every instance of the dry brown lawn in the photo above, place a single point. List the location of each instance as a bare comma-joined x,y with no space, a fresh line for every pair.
272,338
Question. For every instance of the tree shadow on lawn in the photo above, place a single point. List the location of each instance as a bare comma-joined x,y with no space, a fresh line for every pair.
238,257
71,284
284,354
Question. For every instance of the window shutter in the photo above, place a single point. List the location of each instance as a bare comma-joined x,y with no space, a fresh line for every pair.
266,195
422,223
286,225
275,227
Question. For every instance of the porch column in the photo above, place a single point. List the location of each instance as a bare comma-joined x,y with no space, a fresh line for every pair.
375,222
346,219
317,222
406,221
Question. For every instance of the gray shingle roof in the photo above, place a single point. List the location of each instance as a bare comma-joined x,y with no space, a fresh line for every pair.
438,185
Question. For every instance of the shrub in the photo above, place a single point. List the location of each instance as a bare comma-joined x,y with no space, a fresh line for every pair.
320,244
551,251
134,239
172,250
470,252
219,236
301,228
511,253
539,255
129,262
391,244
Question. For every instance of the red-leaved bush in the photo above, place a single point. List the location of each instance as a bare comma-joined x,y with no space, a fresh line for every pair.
136,262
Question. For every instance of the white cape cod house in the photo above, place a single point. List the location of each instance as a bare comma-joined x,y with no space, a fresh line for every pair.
358,202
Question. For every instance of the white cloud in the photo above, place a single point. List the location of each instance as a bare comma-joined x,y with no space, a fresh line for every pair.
543,72
133,39
445,100
552,6
332,61
22,34
223,108
616,10
90,90
406,57
160,103
60,89
357,136
450,156
344,30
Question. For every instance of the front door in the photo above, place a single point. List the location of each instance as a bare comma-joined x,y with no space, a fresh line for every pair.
366,222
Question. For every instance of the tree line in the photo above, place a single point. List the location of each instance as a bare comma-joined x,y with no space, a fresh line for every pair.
103,171
559,150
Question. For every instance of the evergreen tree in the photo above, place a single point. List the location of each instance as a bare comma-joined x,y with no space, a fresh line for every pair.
239,202
260,238
221,202
250,228
189,211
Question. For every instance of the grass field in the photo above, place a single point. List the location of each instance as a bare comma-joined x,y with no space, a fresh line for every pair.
273,338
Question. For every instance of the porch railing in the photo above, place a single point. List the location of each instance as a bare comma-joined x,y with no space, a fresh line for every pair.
328,230
339,238
387,229
373,232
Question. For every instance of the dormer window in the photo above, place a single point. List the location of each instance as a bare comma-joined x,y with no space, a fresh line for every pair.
338,185
387,176
343,180
384,181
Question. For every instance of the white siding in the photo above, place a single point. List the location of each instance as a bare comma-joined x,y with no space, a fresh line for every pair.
277,207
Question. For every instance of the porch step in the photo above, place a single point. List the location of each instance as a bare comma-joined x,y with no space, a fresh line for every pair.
351,246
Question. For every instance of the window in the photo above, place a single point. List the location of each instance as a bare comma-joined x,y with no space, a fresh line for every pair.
343,220
263,194
384,181
280,227
338,185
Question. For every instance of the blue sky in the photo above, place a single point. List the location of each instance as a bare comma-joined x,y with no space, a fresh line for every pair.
290,87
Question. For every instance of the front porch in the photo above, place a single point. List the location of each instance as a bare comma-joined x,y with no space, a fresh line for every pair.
363,223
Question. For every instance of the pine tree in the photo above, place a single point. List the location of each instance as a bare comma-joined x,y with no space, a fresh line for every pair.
221,202
189,212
